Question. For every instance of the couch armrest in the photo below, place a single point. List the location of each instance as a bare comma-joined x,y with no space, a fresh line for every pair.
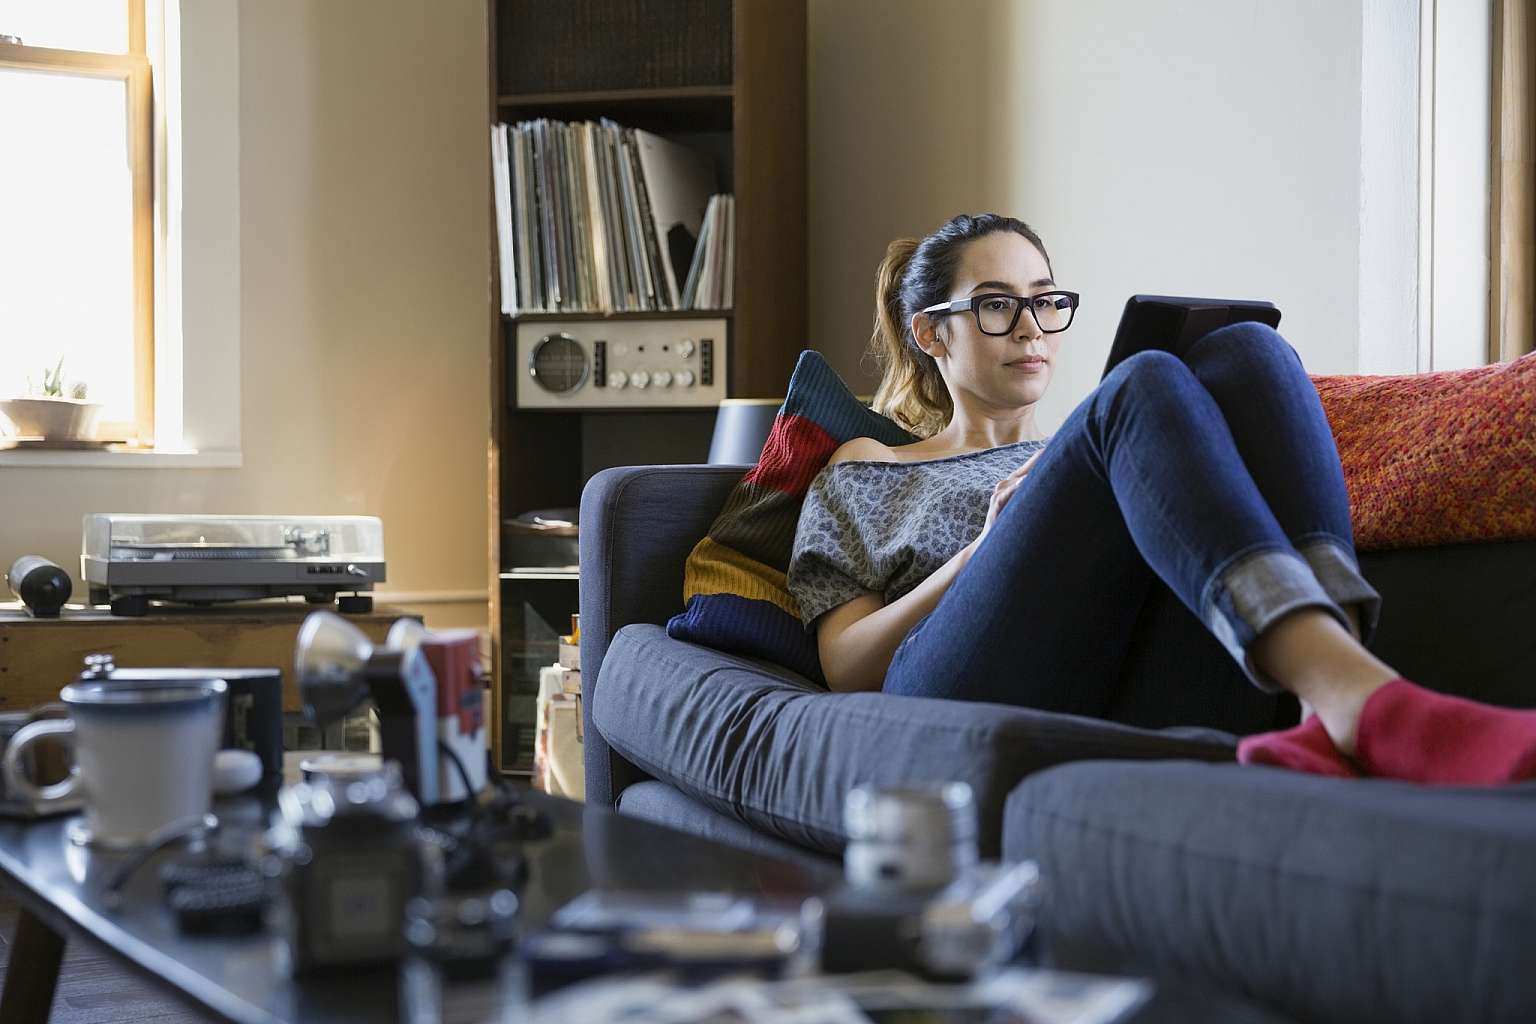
638,524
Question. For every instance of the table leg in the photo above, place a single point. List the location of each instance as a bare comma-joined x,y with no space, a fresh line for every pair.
32,973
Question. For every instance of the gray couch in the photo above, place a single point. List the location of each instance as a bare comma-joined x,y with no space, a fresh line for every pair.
1330,899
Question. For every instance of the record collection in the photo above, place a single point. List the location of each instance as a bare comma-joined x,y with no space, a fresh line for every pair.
597,217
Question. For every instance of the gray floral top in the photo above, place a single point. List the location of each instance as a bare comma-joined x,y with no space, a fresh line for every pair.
884,527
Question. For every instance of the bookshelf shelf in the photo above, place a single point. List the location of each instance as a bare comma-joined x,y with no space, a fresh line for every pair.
668,314
724,77
602,96
686,108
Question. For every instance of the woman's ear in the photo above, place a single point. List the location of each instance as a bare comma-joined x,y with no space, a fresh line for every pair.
926,330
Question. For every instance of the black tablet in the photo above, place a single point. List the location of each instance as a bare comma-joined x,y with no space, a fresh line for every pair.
1172,323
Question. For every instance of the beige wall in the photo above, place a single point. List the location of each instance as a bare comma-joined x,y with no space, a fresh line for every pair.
364,292
1190,147
1187,146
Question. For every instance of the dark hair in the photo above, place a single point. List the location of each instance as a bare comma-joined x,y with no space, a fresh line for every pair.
912,276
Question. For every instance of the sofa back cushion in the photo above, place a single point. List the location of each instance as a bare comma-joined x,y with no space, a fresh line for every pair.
734,592
1437,458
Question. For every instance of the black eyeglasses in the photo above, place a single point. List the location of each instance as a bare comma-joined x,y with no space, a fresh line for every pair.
998,312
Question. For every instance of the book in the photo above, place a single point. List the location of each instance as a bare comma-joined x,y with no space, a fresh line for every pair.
645,289
679,182
544,208
628,296
710,283
727,295
690,287
597,217
502,194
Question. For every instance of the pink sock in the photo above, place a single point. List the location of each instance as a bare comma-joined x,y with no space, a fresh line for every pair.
1408,732
1306,748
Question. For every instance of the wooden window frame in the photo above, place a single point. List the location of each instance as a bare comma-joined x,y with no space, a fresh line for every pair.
132,69
1512,188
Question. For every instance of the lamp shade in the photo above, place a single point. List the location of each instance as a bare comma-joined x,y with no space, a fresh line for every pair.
741,428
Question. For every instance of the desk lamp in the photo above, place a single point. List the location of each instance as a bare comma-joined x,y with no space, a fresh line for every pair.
741,429
425,688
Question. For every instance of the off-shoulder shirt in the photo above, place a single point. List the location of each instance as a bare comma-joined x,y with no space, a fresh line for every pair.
884,527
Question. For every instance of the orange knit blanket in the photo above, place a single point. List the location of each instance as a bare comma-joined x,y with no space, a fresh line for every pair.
1437,458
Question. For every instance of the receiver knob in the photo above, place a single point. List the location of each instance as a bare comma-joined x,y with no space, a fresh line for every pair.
617,379
685,378
685,347
662,379
640,379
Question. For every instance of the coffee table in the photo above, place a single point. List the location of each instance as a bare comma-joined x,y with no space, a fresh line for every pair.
243,979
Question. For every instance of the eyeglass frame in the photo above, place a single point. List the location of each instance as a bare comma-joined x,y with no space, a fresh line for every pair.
970,303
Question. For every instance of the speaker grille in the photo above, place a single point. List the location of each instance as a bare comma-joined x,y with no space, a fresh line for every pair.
558,363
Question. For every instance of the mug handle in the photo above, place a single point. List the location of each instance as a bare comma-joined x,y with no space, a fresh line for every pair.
16,780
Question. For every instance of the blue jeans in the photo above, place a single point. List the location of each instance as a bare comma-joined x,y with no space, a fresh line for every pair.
1214,478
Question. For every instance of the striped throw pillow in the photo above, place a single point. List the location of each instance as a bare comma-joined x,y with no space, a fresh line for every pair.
1437,458
734,580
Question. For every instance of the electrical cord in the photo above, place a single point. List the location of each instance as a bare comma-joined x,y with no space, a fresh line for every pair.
195,825
458,763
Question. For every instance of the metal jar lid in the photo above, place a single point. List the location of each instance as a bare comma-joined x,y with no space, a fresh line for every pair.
941,814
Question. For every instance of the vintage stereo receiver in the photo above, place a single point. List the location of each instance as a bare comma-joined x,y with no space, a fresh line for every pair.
594,364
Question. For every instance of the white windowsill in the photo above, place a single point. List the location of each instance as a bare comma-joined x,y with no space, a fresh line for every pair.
148,459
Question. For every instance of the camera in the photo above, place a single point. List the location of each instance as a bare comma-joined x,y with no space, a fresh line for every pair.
916,897
347,857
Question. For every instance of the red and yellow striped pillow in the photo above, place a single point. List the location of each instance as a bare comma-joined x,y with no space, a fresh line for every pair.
734,581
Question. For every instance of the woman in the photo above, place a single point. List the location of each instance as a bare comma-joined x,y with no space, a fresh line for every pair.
981,563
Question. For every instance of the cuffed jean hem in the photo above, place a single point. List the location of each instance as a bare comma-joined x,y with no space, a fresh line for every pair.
1251,593
1334,565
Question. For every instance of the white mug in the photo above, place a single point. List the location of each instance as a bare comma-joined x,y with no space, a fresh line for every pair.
143,755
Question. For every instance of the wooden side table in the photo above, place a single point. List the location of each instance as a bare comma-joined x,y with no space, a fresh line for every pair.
38,657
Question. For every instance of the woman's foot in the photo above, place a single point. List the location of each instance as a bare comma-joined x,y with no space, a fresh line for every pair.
1409,732
1306,748
1313,655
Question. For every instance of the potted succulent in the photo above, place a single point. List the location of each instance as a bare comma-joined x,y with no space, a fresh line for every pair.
51,414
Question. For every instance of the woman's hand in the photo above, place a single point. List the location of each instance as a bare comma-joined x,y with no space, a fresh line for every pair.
1002,493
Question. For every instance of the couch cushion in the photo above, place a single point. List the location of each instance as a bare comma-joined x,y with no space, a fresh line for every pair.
767,747
1334,899
1459,617
733,588
660,804
1437,458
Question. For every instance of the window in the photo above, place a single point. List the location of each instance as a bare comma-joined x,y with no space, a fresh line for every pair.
77,237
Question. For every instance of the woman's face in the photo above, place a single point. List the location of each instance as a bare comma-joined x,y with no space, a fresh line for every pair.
1001,371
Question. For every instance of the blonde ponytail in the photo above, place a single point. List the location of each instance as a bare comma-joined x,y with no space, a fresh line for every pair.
911,392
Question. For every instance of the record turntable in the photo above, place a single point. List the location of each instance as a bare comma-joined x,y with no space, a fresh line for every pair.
130,560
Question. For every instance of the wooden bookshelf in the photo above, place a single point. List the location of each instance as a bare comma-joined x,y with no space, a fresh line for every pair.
665,111
727,77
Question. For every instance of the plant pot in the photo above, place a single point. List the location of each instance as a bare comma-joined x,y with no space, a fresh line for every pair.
54,419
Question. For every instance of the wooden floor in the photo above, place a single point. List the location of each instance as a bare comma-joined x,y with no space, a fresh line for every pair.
94,989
